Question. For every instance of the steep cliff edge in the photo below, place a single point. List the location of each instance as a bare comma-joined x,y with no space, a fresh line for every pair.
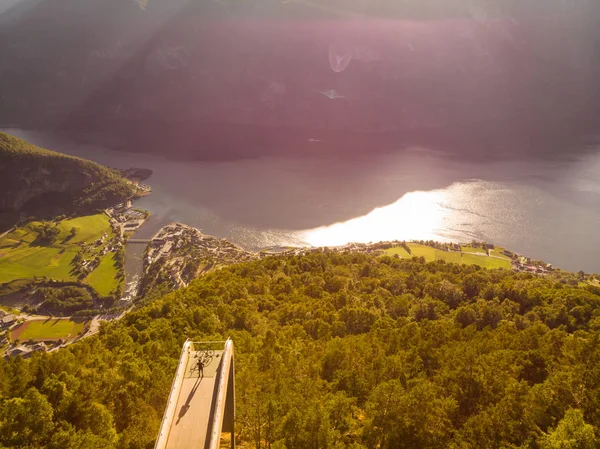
39,182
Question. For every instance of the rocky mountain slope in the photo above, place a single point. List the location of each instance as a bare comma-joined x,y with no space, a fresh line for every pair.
178,254
39,182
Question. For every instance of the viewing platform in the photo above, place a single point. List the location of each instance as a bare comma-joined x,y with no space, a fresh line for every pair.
201,404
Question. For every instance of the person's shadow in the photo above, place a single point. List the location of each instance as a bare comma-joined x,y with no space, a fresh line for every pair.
185,407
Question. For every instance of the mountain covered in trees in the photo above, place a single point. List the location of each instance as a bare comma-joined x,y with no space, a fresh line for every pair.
39,182
336,350
228,78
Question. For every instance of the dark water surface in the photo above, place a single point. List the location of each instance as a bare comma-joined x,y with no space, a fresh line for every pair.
547,209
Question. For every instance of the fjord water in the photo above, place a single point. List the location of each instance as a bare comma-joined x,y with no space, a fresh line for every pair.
546,208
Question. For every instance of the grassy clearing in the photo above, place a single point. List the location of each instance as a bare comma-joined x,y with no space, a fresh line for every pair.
472,249
13,286
22,258
431,254
486,262
498,251
89,228
105,278
399,251
27,261
52,329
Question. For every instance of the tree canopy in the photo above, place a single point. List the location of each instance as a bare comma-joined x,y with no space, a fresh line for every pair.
335,350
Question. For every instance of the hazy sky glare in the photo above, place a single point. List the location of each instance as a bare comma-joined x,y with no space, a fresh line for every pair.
433,70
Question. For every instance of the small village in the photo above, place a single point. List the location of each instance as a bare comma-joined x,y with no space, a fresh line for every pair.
181,253
26,350
89,256
8,322
126,219
123,220
19,325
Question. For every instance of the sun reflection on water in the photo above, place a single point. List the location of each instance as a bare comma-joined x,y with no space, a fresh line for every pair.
415,216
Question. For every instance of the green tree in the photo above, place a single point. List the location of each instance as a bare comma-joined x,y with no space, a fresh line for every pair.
26,421
47,233
572,432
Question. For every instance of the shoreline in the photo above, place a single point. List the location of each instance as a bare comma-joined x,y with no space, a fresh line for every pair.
174,200
519,262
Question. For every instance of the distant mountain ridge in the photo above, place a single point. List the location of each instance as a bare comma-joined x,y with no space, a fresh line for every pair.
40,182
226,78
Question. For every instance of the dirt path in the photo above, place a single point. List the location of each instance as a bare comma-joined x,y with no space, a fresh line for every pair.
7,232
485,255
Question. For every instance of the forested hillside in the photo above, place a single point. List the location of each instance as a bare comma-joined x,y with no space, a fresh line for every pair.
41,182
336,350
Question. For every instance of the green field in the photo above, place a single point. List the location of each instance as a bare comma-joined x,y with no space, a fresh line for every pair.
486,262
431,254
52,329
13,286
89,228
21,258
24,260
105,278
399,251
499,253
471,249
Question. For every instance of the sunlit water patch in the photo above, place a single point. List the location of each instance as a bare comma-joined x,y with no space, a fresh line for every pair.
417,215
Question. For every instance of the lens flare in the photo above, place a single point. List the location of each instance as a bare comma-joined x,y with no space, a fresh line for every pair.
339,57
